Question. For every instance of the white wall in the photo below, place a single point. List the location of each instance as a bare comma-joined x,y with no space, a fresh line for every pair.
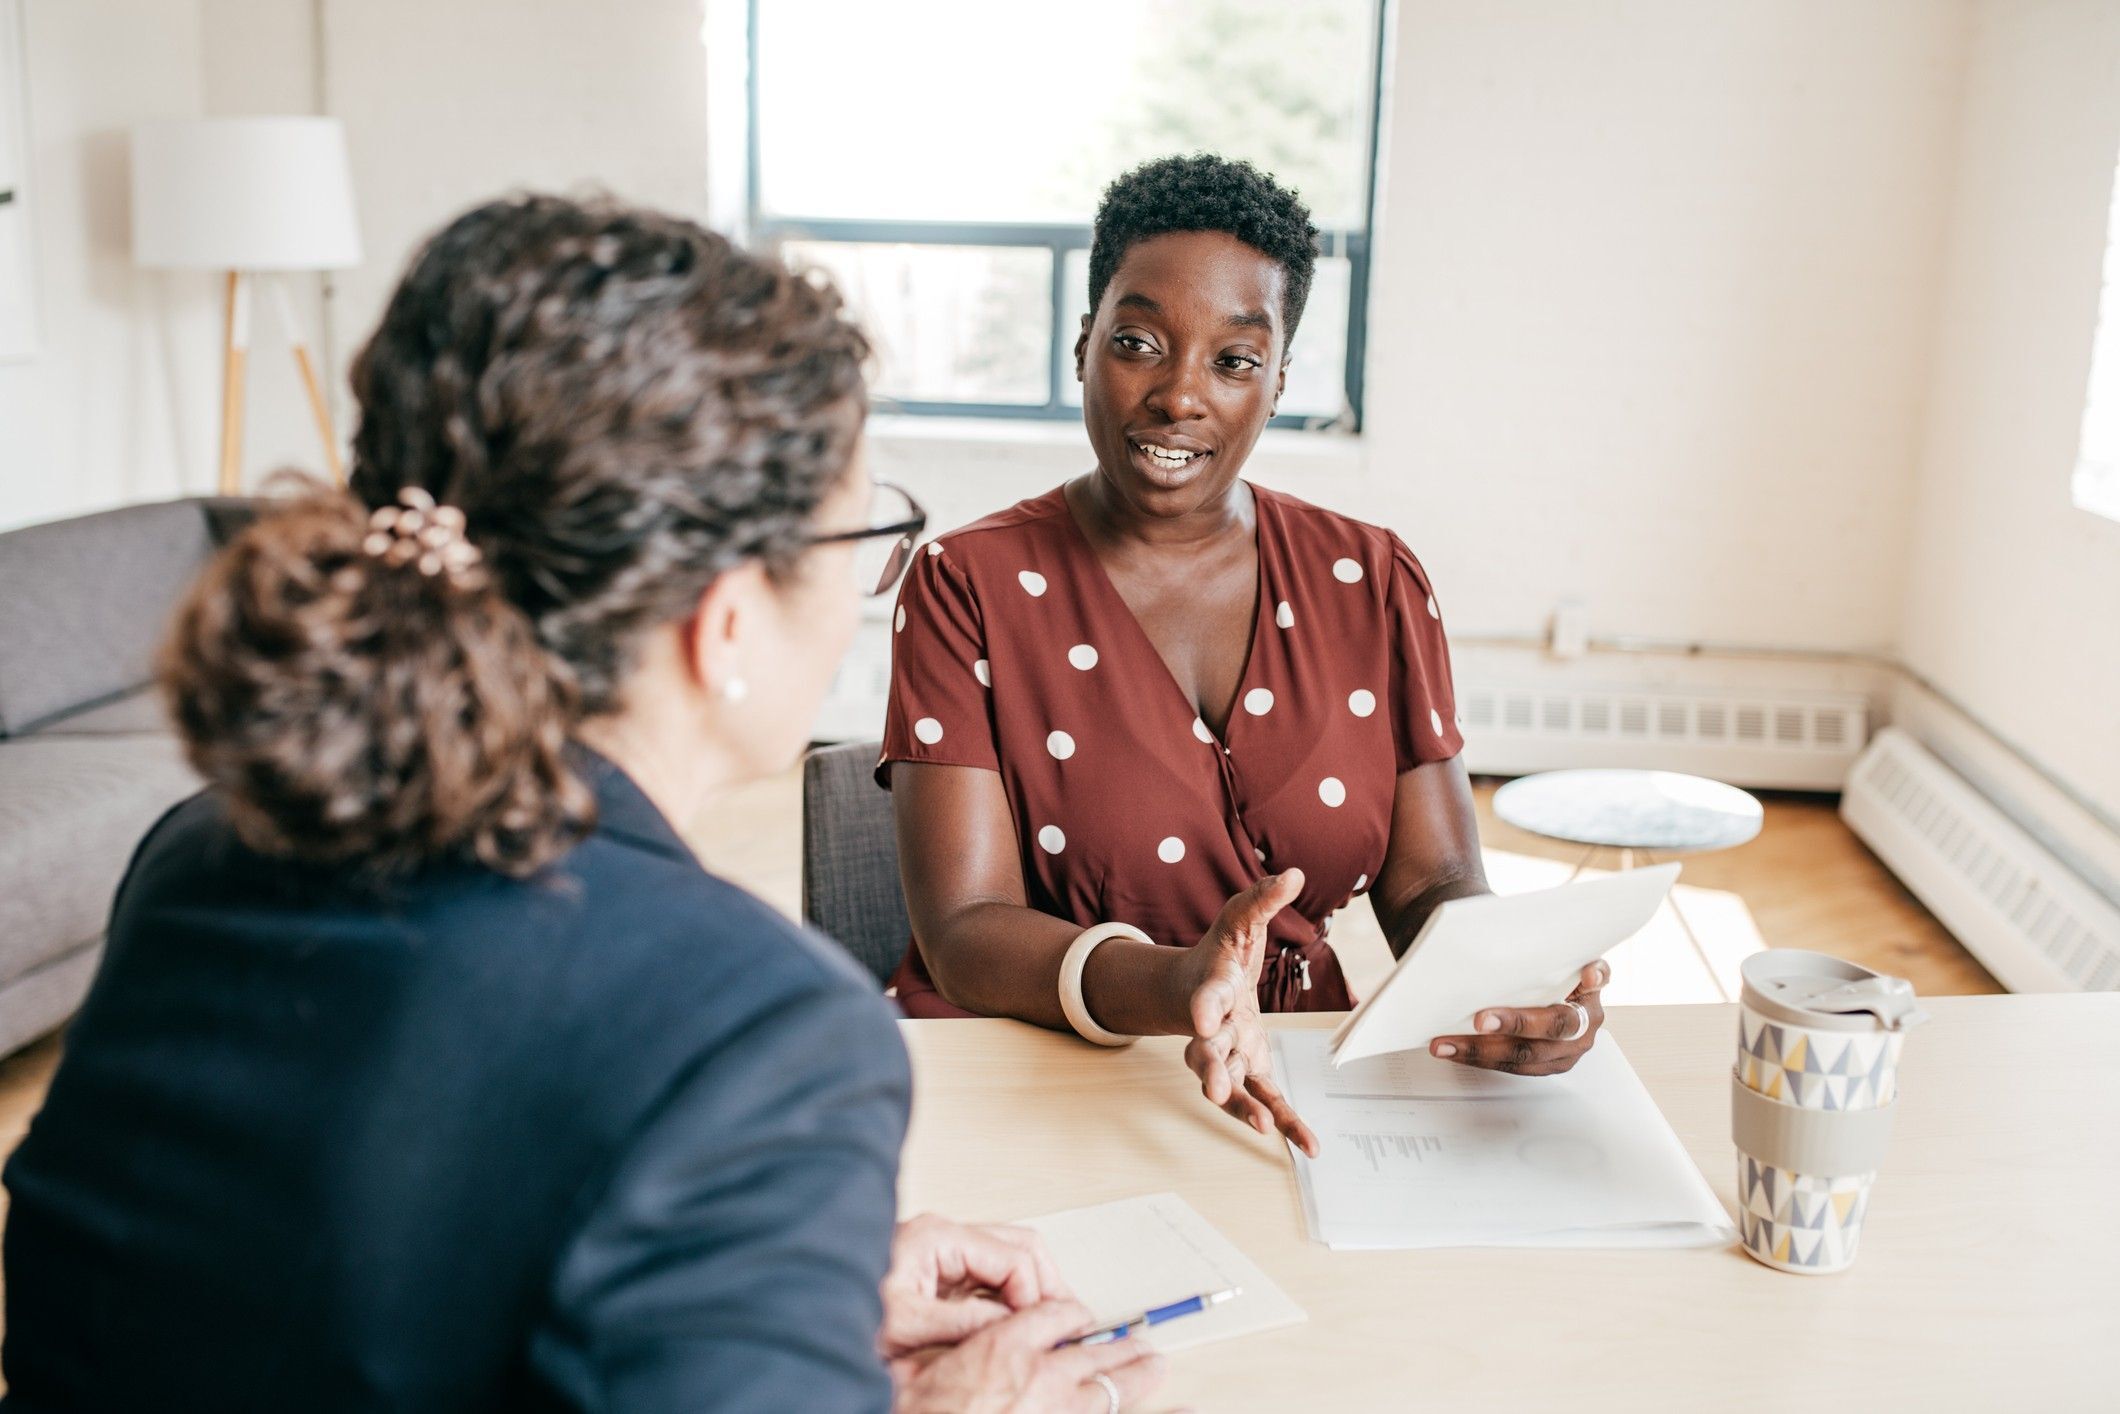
447,104
1655,285
120,403
2013,598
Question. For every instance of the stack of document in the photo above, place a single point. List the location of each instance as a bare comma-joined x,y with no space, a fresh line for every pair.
1420,1152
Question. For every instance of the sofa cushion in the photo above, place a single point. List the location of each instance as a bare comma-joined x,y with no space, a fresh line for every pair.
83,604
137,711
72,809
41,999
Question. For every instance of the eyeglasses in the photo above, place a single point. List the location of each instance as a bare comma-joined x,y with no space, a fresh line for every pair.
883,550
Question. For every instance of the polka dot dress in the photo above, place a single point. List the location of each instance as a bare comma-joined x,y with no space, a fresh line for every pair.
1014,653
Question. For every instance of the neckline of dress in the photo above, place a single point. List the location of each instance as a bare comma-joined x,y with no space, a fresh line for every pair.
1259,613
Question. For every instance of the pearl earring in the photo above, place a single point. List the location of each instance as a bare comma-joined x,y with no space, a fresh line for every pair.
735,690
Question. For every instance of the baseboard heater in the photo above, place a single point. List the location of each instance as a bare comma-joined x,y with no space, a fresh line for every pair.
1770,741
2030,919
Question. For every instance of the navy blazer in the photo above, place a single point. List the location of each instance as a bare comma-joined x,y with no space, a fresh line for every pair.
618,1138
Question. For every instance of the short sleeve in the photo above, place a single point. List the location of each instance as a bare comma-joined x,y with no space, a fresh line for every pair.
940,709
1424,705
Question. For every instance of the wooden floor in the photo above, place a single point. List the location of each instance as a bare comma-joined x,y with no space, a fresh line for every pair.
1805,882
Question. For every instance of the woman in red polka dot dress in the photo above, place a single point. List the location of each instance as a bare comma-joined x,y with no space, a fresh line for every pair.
1161,705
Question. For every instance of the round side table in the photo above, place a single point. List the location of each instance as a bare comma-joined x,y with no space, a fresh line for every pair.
1642,813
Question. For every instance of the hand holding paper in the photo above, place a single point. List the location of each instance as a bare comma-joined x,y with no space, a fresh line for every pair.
1533,1040
1513,952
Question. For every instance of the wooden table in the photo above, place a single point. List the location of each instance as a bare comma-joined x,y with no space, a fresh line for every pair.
1989,1276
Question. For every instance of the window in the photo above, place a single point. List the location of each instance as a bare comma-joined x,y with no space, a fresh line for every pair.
942,160
2097,479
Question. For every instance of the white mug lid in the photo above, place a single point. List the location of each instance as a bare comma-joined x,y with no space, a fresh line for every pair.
1811,989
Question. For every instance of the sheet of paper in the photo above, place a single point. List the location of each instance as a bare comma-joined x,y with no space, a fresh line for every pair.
1499,950
1126,1257
1419,1152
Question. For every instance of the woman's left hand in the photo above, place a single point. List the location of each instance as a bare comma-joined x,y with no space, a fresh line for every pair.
1529,1041
948,1280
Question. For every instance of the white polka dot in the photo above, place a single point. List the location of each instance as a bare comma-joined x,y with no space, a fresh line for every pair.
1361,702
1258,702
1171,850
1033,582
1082,656
934,547
1347,571
1061,745
901,618
1433,612
1332,792
1361,883
928,730
983,672
1200,730
1255,850
1285,616
1051,840
1435,719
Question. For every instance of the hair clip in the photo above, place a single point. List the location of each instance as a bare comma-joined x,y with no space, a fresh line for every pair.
427,536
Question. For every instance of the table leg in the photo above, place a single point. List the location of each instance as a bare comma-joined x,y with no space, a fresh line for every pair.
1584,863
1671,901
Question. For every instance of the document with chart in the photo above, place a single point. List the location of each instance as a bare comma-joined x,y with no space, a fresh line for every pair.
1420,1152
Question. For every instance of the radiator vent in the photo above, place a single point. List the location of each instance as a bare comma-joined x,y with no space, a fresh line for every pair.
1805,743
2030,920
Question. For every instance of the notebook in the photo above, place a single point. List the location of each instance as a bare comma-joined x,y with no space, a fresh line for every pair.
1499,950
1126,1257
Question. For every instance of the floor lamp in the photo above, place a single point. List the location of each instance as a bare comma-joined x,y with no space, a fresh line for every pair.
253,198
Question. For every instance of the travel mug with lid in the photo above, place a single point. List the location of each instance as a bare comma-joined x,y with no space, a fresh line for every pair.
1811,1101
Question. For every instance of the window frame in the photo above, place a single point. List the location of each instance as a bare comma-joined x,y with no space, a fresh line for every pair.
771,232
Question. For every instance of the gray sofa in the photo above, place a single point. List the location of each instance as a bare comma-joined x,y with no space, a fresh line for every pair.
87,760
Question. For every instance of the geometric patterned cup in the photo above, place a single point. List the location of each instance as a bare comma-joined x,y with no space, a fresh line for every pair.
1811,1099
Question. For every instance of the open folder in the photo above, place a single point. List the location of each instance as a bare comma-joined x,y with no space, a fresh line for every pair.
1499,950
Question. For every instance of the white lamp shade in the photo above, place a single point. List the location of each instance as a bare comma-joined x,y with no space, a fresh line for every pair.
243,194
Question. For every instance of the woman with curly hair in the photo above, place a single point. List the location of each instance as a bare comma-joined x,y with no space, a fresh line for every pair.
427,1069
1149,730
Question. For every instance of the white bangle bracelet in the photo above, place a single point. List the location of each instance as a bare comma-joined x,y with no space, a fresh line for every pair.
1071,968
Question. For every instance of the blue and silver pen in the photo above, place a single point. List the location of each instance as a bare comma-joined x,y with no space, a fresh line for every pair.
1120,1330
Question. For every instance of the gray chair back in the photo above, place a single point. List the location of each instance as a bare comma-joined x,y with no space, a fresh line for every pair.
850,887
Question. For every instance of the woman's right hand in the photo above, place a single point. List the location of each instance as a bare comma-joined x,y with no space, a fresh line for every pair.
1229,1050
1010,1367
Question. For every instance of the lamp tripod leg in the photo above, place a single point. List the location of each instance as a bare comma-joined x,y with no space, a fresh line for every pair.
318,407
322,412
235,350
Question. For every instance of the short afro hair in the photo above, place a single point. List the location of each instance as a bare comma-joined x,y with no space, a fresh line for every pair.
1206,193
